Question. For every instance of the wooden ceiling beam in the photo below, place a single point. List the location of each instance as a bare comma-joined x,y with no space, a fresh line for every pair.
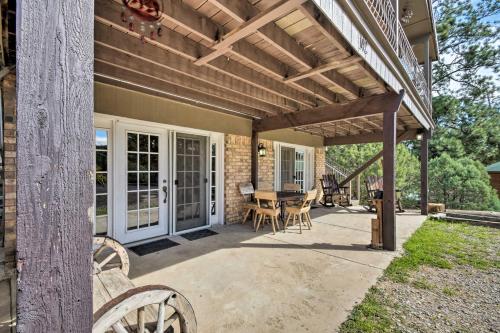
323,68
132,46
249,27
322,23
154,86
287,45
368,138
118,59
388,102
108,13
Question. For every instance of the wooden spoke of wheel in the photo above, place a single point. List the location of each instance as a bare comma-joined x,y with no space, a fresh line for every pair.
110,315
103,243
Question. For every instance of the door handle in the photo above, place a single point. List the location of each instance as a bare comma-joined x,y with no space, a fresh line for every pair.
165,190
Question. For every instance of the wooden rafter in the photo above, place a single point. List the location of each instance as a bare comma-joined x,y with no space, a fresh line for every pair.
388,102
322,23
116,58
288,46
131,46
108,12
252,25
133,78
323,68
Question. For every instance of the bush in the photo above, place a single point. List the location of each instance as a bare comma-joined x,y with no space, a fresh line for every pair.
461,184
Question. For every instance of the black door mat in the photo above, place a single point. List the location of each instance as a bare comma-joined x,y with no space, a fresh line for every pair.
155,246
198,234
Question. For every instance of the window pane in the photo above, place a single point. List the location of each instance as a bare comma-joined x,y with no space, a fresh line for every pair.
196,195
189,147
180,179
143,143
154,216
143,162
132,162
153,180
143,218
143,200
153,162
101,161
196,147
132,220
132,142
101,139
153,199
196,179
132,201
132,181
101,183
143,180
153,143
180,212
189,163
180,146
196,163
101,225
101,203
188,177
180,196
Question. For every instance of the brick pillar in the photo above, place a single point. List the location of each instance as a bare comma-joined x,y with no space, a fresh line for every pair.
237,170
266,167
319,169
9,166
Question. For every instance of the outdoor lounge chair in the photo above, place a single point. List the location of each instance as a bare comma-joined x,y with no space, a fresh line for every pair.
301,212
120,306
333,193
374,188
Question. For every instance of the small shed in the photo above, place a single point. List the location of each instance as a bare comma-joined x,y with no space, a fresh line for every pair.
494,172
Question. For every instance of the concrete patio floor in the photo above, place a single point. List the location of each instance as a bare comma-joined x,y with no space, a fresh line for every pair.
242,281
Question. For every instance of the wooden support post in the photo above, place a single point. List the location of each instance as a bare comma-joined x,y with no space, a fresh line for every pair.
424,178
255,159
389,160
55,163
358,187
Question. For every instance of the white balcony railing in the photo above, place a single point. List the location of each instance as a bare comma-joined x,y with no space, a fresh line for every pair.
386,17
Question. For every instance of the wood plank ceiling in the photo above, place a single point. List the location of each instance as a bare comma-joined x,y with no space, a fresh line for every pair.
255,58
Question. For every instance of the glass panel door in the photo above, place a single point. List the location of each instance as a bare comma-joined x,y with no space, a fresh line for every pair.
142,186
287,165
191,182
299,168
142,181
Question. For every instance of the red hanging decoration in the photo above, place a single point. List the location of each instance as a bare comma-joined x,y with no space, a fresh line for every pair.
148,13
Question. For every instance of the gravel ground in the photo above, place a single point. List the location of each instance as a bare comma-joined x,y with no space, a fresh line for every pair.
469,300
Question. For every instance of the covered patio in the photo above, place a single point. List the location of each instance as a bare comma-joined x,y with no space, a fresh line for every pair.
242,281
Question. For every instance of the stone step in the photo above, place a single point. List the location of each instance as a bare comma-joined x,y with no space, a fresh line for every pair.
479,222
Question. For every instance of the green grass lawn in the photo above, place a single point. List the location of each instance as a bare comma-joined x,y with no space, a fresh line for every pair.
435,244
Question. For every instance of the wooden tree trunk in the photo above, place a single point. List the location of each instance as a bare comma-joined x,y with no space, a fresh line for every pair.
55,165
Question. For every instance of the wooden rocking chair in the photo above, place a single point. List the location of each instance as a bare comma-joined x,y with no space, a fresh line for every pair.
120,307
374,188
333,193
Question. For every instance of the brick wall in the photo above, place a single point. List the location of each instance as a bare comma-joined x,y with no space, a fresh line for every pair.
319,169
266,167
237,170
9,165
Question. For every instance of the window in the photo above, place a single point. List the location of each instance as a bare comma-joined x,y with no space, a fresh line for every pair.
213,172
101,182
142,180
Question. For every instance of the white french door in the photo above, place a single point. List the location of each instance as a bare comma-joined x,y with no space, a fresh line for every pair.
294,164
142,186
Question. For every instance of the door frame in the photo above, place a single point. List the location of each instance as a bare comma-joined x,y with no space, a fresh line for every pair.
120,183
110,122
308,164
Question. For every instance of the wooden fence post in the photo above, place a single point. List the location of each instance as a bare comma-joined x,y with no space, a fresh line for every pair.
55,163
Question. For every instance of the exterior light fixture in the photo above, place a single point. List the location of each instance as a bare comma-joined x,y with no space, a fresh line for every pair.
419,136
261,150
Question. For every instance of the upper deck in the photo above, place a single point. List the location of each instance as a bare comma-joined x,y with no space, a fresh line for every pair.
264,58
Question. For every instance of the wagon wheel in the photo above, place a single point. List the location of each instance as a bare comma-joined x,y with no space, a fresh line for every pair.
159,309
109,253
